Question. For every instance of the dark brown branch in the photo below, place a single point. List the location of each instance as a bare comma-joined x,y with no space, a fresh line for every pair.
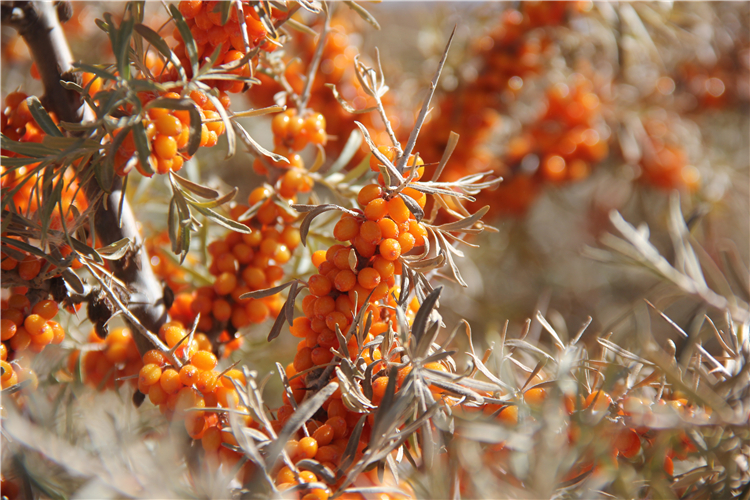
38,24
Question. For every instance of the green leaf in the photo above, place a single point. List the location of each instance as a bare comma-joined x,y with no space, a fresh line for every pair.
143,148
101,73
224,8
202,191
161,45
31,149
223,221
42,117
116,250
49,205
187,36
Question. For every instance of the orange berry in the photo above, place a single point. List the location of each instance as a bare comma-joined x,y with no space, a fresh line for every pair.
225,283
7,329
29,268
397,209
211,440
206,382
418,231
170,381
628,443
149,375
602,400
390,249
308,447
406,241
535,397
376,209
319,285
346,229
370,231
303,359
35,324
157,395
318,257
204,360
368,278
388,228
154,357
369,193
169,125
323,435
345,280
46,309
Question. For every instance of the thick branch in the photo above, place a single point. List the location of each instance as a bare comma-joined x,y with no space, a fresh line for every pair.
38,24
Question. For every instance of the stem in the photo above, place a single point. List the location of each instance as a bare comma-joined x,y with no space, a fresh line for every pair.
312,71
38,24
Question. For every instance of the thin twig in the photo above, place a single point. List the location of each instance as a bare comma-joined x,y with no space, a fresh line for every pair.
313,69
401,164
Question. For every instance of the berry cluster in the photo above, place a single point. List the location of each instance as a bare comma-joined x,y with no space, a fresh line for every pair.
664,162
204,20
169,131
107,361
559,145
178,392
25,330
631,424
358,274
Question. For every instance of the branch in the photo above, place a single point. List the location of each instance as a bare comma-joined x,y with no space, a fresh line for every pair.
38,24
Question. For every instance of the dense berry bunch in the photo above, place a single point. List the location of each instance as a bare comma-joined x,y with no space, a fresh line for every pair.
25,330
664,162
169,132
204,19
107,362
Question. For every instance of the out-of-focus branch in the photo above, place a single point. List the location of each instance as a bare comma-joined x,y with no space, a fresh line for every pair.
39,25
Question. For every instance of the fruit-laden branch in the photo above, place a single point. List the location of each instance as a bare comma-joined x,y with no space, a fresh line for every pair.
39,25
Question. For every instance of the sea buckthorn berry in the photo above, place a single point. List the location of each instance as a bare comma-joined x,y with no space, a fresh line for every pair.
390,249
338,425
535,397
324,306
300,328
7,329
157,395
345,280
509,415
303,359
154,357
319,285
318,257
21,340
46,309
225,283
364,248
211,440
418,231
368,278
29,268
323,435
170,381
7,370
370,231
204,360
406,241
20,302
388,228
35,324
257,311
378,389
628,443
149,375
14,315
321,356
599,399
417,196
384,267
376,209
346,229
168,125
369,193
397,210
206,382
341,259
308,447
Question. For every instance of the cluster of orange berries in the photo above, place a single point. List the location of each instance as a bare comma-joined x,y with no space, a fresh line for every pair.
632,437
17,123
292,132
336,67
359,274
565,141
107,361
560,145
181,393
24,331
169,131
664,163
204,20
